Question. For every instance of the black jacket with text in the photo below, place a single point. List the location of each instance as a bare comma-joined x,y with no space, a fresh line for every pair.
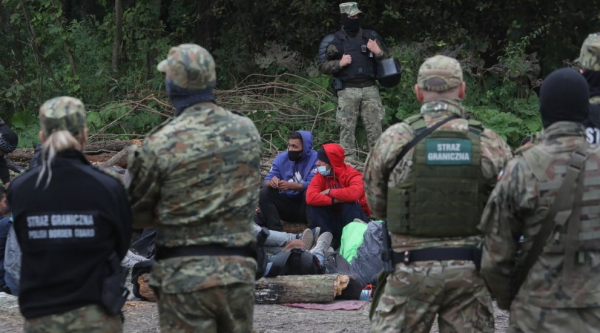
67,231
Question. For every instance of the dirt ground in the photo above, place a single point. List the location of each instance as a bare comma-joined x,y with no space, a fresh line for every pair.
142,317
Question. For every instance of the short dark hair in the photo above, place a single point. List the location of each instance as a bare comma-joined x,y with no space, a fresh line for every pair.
295,136
2,191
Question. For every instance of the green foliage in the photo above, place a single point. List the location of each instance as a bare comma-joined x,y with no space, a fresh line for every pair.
51,48
27,125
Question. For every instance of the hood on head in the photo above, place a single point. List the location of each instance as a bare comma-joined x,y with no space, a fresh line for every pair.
307,142
336,156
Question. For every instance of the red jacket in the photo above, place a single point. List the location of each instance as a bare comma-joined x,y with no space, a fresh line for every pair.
345,182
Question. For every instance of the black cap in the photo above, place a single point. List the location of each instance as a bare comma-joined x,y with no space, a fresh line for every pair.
322,156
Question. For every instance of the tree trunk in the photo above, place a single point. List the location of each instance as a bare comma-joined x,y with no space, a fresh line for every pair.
60,22
152,54
300,288
35,46
118,37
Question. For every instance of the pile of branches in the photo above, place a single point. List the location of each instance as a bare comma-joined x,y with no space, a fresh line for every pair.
282,99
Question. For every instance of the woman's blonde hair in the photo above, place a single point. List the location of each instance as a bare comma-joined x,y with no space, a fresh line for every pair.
54,144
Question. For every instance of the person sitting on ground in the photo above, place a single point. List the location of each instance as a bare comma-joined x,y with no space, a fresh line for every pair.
8,143
336,195
284,187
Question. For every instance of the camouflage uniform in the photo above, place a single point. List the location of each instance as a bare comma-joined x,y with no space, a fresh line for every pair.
87,319
196,179
415,293
354,101
520,202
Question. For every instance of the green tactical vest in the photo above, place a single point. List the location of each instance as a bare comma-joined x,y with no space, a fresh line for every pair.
541,164
445,193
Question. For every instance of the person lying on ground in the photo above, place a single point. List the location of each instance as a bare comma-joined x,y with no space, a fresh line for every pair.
336,195
281,239
299,259
282,196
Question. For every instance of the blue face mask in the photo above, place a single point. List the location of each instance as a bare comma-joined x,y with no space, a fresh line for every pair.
323,170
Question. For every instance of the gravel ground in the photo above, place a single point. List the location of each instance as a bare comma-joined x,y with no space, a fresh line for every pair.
142,317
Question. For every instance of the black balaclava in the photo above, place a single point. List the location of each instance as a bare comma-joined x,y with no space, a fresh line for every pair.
351,26
593,79
564,96
184,98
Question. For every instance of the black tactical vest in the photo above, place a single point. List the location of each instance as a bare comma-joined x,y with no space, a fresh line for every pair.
363,61
592,124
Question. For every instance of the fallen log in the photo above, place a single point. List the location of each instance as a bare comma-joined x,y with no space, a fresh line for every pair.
113,145
299,288
102,151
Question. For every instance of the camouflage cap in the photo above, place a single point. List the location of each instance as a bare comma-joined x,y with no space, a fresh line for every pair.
589,57
62,113
350,8
440,73
189,66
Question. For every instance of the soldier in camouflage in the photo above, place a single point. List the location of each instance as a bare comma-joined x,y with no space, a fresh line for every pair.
350,55
548,195
432,198
196,180
589,60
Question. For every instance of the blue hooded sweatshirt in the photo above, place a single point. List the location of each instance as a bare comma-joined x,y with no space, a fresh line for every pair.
298,172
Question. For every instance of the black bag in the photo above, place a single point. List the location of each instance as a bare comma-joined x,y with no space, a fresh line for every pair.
389,72
114,293
296,262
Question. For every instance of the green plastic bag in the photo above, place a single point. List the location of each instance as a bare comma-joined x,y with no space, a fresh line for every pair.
352,239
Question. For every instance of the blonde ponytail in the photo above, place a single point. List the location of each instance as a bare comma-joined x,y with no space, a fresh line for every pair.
55,143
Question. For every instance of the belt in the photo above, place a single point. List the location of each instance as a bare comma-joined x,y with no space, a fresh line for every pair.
359,84
203,250
462,253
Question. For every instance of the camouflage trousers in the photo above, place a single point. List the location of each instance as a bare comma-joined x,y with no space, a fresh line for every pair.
353,102
219,309
87,319
526,318
414,294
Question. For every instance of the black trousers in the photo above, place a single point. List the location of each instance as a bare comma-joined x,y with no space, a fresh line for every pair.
334,221
275,206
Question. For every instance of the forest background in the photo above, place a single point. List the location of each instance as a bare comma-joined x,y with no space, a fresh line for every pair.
105,53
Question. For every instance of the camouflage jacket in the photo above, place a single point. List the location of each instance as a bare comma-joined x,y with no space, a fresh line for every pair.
196,180
495,153
332,64
517,206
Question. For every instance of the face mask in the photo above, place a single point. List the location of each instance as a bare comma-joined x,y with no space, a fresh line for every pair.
323,170
294,156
